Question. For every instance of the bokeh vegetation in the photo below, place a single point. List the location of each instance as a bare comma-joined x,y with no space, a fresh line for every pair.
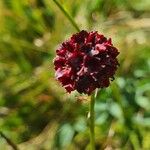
35,111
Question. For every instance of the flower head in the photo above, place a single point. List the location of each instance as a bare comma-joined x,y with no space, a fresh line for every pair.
85,62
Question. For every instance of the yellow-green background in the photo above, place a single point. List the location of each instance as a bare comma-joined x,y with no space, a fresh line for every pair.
35,111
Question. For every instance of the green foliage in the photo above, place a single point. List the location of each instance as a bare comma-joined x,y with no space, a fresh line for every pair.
34,107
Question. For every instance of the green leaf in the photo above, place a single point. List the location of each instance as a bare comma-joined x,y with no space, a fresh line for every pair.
115,110
101,118
80,125
66,134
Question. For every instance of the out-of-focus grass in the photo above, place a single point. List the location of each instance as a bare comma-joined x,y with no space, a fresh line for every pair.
35,112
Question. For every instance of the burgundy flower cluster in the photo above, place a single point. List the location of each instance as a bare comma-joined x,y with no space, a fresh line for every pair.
85,62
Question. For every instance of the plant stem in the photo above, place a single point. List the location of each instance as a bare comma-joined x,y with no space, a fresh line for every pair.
13,145
67,15
92,120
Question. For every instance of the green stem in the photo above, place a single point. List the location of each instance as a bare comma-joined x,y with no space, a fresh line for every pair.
92,120
13,145
67,15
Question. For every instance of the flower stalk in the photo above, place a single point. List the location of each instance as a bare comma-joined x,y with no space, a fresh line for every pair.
67,15
92,120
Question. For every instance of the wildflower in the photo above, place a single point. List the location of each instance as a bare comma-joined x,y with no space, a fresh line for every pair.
85,62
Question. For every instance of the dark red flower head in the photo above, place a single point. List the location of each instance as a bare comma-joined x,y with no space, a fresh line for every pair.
85,62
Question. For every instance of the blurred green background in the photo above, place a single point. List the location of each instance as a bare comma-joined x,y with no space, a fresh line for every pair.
35,111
